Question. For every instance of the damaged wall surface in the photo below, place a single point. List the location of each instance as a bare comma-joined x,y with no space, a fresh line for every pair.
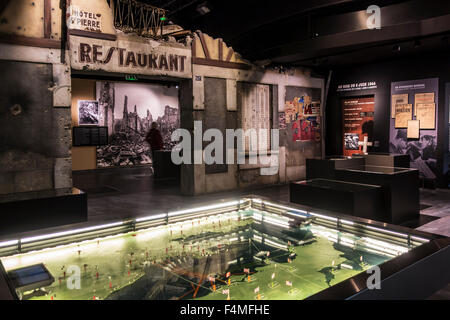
202,68
212,59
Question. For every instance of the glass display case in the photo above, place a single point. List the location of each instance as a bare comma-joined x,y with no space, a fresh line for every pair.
249,248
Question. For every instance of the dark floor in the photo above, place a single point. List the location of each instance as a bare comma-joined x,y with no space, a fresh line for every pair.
116,194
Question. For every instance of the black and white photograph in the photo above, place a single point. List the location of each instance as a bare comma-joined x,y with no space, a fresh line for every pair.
88,112
351,141
421,151
130,111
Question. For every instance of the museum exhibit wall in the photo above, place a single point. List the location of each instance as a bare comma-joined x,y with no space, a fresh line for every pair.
208,81
127,109
35,98
384,74
83,158
218,87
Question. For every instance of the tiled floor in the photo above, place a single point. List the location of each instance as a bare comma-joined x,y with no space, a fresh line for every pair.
439,202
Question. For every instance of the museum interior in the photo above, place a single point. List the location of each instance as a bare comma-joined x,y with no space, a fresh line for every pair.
224,150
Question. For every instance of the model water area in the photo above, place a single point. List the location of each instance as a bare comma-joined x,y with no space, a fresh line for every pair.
245,254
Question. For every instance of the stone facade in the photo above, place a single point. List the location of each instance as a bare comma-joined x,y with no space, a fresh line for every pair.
44,162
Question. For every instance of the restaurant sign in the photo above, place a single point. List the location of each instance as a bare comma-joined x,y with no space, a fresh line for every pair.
84,20
130,57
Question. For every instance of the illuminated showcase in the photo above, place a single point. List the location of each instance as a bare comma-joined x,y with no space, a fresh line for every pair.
247,249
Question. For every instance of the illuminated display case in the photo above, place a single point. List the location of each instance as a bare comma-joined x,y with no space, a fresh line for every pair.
245,249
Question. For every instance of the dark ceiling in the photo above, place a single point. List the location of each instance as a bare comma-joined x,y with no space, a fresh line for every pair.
317,33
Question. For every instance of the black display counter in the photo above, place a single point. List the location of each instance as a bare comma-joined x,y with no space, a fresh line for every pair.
42,209
399,188
324,168
388,160
163,167
361,200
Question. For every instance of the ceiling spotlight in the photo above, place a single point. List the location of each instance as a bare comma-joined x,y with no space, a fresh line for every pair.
396,48
203,8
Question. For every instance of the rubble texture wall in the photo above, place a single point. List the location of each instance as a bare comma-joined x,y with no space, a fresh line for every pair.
210,62
35,98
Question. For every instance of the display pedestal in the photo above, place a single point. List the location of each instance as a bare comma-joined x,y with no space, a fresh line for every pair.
400,188
356,199
163,167
388,160
29,211
324,168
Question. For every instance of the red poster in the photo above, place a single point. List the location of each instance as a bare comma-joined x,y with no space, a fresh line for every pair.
296,133
358,116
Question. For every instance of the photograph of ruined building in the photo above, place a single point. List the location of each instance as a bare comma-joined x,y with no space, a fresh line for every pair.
128,111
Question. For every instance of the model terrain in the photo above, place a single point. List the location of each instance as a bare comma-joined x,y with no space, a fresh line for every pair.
228,256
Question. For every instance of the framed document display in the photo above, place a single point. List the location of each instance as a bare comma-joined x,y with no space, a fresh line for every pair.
398,99
426,113
413,131
422,98
403,113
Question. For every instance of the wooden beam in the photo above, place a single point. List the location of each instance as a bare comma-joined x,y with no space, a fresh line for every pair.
221,64
204,46
230,54
220,49
47,18
31,42
194,48
90,34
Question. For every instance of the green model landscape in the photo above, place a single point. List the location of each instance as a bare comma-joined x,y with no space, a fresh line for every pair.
221,257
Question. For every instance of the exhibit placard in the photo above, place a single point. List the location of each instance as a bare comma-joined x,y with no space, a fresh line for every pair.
413,131
90,136
367,85
426,113
421,146
358,120
398,99
403,113
421,98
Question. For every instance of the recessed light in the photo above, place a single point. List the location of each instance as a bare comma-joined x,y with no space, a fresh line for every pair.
203,8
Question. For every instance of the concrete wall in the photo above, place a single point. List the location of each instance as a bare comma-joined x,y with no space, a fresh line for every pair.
45,120
292,157
26,18
36,135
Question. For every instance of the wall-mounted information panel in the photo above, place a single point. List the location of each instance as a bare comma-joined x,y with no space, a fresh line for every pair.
90,136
